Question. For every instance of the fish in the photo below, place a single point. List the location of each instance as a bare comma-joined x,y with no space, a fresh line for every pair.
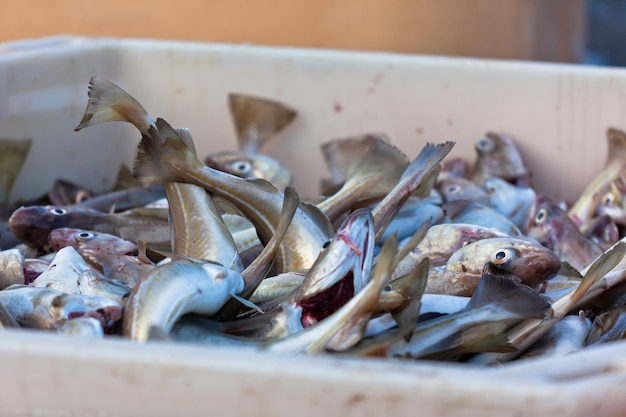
498,297
89,243
373,178
526,333
554,229
163,156
32,224
421,173
46,308
568,335
459,188
414,213
607,327
343,155
198,230
66,193
498,156
587,204
530,262
126,199
467,211
12,159
6,319
11,268
257,121
81,326
176,288
509,200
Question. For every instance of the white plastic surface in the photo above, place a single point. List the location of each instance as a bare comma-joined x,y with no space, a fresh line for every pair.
557,113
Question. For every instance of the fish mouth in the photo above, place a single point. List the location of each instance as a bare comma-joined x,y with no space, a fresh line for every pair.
325,303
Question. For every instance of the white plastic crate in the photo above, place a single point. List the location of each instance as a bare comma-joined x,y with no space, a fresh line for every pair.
557,113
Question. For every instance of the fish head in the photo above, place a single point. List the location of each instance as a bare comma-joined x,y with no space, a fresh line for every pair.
547,222
531,262
32,224
70,306
90,243
222,277
498,156
251,166
341,270
459,188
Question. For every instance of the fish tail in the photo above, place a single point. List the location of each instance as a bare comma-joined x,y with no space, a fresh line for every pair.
503,288
162,154
108,102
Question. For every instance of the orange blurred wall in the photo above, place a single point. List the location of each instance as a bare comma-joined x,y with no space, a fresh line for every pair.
522,29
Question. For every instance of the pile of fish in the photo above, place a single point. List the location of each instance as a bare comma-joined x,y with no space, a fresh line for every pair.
431,258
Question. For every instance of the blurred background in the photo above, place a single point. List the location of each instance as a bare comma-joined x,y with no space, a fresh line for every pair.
589,31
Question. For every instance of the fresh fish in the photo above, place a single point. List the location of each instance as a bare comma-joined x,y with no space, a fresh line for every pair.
45,308
198,230
257,121
607,327
125,199
278,286
414,213
498,297
615,170
530,262
11,268
372,179
33,267
94,283
509,200
6,319
467,211
568,335
459,188
343,155
499,157
12,158
455,167
90,244
67,193
163,156
422,172
551,226
602,230
81,326
441,241
176,288
33,224
526,333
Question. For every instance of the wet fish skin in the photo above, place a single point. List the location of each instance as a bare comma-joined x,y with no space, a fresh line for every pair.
530,262
33,224
509,200
498,156
499,297
45,308
176,288
126,199
89,243
11,268
468,211
251,166
553,228
459,188
568,335
607,327
81,326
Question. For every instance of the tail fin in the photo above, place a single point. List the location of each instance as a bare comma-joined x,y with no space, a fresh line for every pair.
108,102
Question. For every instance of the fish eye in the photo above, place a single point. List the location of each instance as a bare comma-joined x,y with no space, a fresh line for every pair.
485,145
82,196
241,167
83,236
503,257
541,216
326,244
608,199
58,211
453,189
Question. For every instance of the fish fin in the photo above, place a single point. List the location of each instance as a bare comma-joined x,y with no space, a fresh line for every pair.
617,145
429,157
476,339
412,243
185,135
12,158
159,148
318,217
569,271
108,102
427,183
247,303
343,155
599,268
500,287
407,315
257,120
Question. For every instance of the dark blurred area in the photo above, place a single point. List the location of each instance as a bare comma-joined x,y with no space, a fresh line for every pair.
606,32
